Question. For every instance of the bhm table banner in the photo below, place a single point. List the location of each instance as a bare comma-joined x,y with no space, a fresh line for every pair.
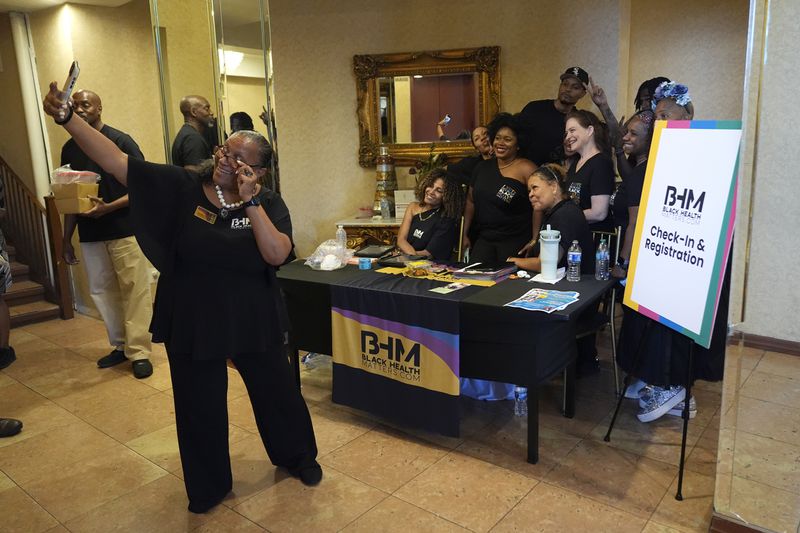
396,356
685,225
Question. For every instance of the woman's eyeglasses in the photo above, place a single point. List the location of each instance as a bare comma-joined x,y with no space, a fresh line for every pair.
223,152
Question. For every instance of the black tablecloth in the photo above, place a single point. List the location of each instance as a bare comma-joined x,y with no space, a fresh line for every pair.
499,343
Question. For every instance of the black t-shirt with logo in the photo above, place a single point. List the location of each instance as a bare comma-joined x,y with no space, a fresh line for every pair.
190,147
543,125
114,225
433,232
595,178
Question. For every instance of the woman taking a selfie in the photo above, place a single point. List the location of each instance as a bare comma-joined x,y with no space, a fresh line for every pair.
217,238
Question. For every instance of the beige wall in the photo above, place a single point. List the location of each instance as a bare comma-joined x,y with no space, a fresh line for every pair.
771,294
314,41
114,47
248,95
14,148
188,52
699,43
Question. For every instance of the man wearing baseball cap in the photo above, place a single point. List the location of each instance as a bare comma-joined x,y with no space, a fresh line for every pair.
543,120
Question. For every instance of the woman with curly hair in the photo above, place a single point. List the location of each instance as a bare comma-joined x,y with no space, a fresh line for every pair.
497,206
430,225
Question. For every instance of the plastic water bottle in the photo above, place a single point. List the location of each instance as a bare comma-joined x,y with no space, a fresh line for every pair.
574,262
520,401
341,238
601,262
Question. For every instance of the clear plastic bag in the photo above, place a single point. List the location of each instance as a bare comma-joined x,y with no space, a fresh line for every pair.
65,174
329,256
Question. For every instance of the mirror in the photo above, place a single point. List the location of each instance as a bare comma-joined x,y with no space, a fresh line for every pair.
245,86
402,98
218,49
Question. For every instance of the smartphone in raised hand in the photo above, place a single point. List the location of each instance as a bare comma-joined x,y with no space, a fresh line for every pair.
72,79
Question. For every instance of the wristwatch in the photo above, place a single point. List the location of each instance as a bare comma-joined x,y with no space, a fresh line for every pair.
252,201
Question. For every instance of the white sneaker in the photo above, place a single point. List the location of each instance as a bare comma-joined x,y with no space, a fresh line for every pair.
634,389
661,402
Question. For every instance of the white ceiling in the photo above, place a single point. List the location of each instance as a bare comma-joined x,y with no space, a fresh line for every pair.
35,5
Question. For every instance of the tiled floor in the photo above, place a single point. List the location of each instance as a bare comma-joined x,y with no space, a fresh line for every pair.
759,465
99,453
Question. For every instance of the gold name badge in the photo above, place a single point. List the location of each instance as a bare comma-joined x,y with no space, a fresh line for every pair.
204,214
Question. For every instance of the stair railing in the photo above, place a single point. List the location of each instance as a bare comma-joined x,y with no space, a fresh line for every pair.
36,234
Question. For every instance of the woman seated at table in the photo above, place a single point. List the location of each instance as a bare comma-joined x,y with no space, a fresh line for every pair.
496,205
217,238
548,193
591,177
430,225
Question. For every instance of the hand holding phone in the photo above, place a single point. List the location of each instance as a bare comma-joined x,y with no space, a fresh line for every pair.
72,79
66,91
447,119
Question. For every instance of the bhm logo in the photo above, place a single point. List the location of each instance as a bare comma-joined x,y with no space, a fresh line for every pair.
393,349
683,205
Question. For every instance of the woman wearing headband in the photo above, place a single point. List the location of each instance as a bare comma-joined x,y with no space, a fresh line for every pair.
658,355
548,194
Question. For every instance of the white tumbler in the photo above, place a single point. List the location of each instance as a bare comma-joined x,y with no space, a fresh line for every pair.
548,252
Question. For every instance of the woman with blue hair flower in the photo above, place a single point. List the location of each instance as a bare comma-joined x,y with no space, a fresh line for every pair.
671,101
655,354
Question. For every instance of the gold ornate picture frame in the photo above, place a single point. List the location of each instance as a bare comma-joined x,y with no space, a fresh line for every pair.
483,61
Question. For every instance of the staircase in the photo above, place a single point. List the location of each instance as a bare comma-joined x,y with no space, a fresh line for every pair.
25,298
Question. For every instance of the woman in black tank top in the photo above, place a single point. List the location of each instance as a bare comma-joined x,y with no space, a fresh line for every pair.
430,225
497,205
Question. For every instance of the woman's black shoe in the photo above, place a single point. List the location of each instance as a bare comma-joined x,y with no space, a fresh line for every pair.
7,356
200,507
309,475
9,427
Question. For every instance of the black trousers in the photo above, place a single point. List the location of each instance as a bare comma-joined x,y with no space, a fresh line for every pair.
201,414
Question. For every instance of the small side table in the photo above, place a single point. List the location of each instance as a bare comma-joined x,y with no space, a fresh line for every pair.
364,231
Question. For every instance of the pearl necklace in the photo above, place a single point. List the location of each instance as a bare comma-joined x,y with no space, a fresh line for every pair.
226,206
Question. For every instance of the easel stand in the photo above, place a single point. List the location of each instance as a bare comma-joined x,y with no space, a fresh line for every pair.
686,402
688,386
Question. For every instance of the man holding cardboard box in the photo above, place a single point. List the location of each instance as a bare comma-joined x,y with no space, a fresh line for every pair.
119,274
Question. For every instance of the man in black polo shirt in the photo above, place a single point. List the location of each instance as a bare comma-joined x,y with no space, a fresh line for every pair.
119,275
542,121
190,147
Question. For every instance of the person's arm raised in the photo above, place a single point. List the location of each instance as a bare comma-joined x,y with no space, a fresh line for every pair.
97,146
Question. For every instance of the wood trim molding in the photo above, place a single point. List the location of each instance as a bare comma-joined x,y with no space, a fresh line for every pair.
770,344
725,524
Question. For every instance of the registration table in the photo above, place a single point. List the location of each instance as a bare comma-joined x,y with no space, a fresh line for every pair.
478,335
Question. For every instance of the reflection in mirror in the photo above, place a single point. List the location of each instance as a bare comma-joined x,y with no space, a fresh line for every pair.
227,63
245,74
408,100
427,108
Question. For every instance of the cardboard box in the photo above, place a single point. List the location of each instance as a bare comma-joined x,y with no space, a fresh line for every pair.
73,198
